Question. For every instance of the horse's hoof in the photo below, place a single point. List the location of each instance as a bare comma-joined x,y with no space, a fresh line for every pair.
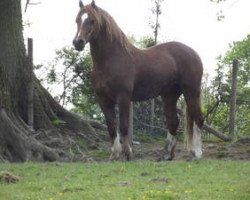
168,155
192,157
126,156
164,158
114,157
126,153
168,158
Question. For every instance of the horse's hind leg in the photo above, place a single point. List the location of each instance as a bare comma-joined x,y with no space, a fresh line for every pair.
194,124
172,121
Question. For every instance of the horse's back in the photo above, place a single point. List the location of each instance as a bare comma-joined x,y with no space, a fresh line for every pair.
183,55
166,67
187,62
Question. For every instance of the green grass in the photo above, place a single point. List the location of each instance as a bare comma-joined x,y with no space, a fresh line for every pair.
140,180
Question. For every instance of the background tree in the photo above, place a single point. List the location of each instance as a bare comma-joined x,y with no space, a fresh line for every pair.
155,25
17,141
71,71
218,109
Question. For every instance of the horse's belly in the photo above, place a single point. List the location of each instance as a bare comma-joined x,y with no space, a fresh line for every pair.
143,97
145,93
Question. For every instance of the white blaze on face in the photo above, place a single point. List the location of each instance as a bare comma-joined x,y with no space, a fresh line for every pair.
80,22
84,16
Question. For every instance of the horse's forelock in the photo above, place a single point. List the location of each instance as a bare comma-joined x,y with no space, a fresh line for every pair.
80,13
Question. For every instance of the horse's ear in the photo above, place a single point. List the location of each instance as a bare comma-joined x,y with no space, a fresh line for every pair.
93,4
81,4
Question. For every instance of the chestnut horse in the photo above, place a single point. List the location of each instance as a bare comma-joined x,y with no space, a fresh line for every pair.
123,73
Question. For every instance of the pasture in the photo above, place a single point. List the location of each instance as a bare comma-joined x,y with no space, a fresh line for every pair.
136,180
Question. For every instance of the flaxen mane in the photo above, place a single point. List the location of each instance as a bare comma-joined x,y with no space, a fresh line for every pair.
104,20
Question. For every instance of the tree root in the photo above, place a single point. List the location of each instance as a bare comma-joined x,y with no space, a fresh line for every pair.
48,141
18,145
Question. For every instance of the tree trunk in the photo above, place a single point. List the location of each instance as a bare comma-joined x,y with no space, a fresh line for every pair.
30,86
155,27
17,140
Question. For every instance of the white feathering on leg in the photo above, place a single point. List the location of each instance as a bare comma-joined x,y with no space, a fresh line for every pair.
171,141
197,143
117,147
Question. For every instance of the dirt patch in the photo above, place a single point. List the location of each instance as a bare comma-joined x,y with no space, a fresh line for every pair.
153,150
80,147
211,150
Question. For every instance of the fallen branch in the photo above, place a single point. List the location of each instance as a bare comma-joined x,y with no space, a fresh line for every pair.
220,135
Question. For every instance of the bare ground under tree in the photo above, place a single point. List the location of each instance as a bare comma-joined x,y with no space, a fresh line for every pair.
239,150
96,146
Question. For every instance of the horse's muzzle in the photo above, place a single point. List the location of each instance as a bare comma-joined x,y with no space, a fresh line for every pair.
79,44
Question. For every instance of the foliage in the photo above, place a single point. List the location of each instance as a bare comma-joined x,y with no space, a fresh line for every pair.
143,180
145,42
66,72
58,123
240,51
156,11
84,98
217,105
220,14
71,70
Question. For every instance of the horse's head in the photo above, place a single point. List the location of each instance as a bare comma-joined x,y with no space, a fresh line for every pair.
86,25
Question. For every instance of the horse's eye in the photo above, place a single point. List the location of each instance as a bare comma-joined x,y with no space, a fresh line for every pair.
92,21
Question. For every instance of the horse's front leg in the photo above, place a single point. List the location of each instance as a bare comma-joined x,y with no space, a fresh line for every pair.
124,109
108,109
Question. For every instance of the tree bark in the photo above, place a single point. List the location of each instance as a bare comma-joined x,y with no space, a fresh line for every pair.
17,140
30,86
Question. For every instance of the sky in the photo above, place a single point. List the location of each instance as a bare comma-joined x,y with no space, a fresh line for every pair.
193,22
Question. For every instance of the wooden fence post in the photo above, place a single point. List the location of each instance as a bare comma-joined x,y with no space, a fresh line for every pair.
152,112
30,85
233,100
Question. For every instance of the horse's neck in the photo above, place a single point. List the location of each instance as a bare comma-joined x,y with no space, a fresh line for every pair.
102,49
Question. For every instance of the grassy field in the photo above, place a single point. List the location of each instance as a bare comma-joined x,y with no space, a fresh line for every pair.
140,180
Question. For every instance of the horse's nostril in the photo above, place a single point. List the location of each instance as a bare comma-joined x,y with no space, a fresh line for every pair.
79,44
